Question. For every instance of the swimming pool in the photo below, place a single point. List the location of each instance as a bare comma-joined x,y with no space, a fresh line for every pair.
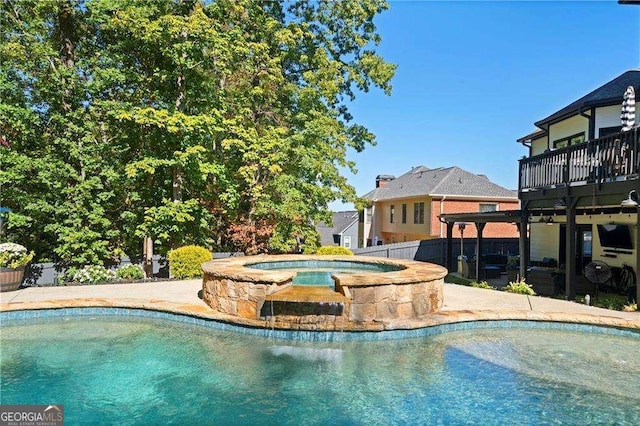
132,370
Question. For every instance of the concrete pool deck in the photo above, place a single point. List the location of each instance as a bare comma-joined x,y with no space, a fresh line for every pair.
461,303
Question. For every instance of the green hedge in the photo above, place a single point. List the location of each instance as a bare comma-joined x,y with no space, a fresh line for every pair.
333,251
130,272
186,262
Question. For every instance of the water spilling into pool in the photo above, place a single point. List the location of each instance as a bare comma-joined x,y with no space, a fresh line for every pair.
142,370
318,272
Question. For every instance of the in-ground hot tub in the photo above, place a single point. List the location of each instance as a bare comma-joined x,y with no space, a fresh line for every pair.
362,293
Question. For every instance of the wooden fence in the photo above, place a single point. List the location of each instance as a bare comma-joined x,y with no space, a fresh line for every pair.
46,274
435,251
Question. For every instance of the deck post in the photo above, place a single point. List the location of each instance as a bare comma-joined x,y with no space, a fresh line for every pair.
522,244
449,261
570,257
479,264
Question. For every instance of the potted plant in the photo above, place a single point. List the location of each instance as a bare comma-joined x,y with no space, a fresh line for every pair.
13,260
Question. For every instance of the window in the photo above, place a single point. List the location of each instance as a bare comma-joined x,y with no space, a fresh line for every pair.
368,214
486,208
404,213
392,213
568,141
347,241
605,131
418,213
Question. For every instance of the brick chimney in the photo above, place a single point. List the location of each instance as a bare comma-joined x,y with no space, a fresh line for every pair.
382,180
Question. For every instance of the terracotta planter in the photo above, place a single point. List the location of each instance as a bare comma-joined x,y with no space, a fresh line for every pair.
10,279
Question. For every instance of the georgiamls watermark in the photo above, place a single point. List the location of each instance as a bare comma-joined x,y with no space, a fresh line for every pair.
31,415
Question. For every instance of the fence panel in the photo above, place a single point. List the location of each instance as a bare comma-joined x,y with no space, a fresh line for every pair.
45,274
435,251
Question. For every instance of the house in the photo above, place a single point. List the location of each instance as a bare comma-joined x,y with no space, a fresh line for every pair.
343,232
579,188
407,208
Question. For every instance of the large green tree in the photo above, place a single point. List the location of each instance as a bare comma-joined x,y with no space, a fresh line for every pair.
223,123
56,173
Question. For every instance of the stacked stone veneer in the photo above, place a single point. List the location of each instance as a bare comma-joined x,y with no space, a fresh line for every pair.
372,300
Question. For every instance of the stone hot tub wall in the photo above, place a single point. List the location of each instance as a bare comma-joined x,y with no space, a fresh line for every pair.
373,300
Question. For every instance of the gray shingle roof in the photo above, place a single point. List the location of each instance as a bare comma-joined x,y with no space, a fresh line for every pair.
610,93
341,221
450,181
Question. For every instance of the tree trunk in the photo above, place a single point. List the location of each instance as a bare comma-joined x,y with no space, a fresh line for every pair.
147,256
67,51
178,173
178,181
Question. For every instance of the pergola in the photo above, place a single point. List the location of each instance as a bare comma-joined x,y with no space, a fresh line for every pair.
522,218
480,220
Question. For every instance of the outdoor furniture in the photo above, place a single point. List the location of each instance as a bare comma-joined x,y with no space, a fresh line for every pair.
469,270
545,281
492,272
498,260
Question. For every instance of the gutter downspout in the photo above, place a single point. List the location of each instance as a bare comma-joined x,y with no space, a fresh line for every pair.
444,197
592,122
546,129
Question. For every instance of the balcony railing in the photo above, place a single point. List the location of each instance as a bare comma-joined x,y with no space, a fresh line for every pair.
610,158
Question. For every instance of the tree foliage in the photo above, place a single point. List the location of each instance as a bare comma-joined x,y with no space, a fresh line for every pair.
223,124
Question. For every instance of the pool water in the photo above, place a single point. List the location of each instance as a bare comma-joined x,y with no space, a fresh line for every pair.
318,272
134,370
322,278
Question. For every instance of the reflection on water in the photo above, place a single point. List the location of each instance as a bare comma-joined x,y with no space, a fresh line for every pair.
162,370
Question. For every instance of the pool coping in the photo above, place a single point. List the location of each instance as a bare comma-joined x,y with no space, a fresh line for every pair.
238,268
18,317
440,318
462,304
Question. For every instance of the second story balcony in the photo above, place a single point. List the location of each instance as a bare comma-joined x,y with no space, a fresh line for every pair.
611,158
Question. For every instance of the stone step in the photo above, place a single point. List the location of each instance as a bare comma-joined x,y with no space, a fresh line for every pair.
307,294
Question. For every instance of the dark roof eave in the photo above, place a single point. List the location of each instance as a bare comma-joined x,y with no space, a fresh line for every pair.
533,136
504,216
563,115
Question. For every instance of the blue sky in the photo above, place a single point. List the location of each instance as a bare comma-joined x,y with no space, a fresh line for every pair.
474,76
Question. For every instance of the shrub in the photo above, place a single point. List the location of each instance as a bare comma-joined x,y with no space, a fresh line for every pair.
333,251
130,272
186,262
520,287
613,302
454,279
94,274
67,275
14,256
482,284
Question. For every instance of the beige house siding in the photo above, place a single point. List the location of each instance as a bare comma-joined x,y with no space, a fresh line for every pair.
607,117
397,231
544,241
568,127
604,117
539,146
